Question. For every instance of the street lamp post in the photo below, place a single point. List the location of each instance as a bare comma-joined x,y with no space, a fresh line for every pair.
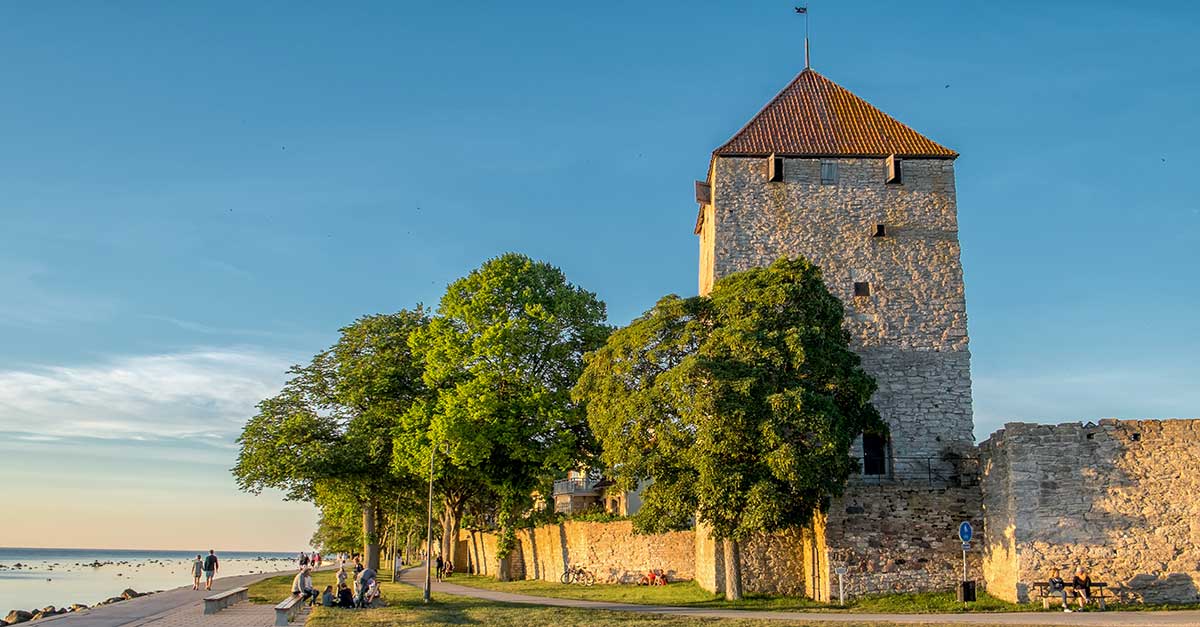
429,524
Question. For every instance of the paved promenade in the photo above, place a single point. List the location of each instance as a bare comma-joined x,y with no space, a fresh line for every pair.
416,577
180,607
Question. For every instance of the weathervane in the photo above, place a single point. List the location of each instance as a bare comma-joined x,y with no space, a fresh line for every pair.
804,11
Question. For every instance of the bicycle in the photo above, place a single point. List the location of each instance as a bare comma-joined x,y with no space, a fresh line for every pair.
576,574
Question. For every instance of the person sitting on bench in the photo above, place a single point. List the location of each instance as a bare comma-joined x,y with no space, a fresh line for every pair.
302,586
1058,587
1083,587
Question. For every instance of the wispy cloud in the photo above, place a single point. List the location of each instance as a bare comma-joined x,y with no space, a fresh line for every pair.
207,329
29,299
208,393
1068,396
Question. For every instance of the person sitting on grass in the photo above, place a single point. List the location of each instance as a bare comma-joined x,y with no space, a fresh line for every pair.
372,594
1083,587
327,598
302,586
345,598
365,578
1058,587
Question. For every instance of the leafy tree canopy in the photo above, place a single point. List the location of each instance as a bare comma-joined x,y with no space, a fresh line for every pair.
740,407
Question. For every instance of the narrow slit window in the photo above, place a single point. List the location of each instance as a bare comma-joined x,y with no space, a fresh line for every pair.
774,168
881,230
862,288
828,173
874,454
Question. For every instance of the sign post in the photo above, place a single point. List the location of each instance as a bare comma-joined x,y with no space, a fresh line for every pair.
966,590
841,570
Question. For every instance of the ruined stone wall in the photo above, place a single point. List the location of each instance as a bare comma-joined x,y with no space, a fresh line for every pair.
911,331
901,537
1121,499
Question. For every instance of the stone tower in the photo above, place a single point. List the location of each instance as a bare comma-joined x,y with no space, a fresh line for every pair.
821,173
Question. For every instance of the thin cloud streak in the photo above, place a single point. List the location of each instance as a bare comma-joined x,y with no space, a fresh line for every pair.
207,393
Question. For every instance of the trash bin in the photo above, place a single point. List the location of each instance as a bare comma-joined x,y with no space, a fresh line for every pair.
966,591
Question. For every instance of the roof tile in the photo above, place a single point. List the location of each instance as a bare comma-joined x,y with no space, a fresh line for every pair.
814,116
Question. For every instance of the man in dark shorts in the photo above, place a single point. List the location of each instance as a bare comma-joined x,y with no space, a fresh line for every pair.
211,566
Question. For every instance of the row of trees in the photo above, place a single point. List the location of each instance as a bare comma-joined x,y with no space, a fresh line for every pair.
737,409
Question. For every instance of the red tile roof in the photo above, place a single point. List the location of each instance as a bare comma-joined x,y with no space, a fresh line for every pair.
814,116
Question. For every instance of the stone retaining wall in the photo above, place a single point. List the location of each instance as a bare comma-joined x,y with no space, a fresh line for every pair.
1118,498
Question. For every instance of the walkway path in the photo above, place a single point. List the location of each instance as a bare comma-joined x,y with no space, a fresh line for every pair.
181,607
416,577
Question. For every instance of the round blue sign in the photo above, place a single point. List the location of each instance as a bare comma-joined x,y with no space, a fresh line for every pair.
965,531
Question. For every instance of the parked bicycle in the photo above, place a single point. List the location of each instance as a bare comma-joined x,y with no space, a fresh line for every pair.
576,574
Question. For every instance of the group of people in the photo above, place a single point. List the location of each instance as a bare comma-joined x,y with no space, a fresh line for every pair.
445,568
1081,588
313,560
361,591
206,566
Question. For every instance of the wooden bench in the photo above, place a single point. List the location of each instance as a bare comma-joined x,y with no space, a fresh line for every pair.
1098,595
286,611
222,600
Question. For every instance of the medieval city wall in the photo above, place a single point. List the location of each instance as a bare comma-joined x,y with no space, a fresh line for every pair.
612,551
1117,498
911,331
901,537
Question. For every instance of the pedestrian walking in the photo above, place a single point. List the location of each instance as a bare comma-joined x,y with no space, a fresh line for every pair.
211,566
197,571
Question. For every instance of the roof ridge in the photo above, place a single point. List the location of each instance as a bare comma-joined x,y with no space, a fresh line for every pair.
813,115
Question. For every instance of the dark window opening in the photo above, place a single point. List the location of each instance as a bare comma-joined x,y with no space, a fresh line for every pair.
774,169
828,172
862,288
894,171
880,230
1091,436
874,454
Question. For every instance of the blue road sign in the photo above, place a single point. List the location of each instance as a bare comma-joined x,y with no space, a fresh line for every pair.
966,546
965,531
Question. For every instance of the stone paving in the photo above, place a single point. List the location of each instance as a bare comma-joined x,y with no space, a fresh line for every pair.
178,607
415,577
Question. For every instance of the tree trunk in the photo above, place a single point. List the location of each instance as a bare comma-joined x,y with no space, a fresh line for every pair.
451,519
733,570
370,541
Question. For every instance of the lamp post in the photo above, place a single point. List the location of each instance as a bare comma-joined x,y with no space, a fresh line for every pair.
429,521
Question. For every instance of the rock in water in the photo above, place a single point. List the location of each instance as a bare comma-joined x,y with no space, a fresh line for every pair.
130,593
18,616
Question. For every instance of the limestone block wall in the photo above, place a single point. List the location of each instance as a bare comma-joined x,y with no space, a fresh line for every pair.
901,537
911,331
1121,498
771,563
610,550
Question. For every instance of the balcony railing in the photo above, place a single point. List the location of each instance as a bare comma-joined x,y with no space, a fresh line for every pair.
575,486
936,471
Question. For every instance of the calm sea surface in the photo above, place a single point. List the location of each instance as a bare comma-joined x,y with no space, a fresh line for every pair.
61,577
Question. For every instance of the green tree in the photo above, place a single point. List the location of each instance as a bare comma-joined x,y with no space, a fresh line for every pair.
502,356
330,430
740,407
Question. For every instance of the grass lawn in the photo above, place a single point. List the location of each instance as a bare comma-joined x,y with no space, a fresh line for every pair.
688,594
405,608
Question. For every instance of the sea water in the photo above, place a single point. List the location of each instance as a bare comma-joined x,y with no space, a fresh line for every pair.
60,577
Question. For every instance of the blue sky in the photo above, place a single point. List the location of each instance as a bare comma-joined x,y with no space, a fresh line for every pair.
193,197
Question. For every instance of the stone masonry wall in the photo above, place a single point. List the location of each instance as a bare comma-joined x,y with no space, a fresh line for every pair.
610,550
911,332
1118,498
771,563
901,537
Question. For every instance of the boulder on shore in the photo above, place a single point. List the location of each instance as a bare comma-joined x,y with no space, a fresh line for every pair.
18,616
130,593
75,607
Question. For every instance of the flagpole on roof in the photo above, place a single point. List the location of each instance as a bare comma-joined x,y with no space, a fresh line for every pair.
804,11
